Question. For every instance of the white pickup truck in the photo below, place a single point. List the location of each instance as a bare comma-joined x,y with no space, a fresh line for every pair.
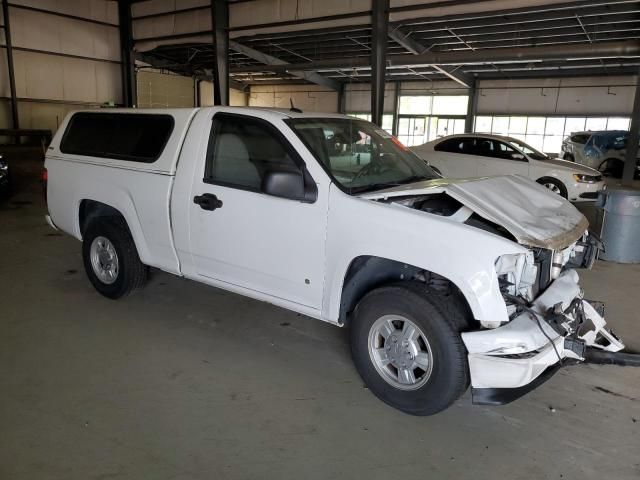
441,283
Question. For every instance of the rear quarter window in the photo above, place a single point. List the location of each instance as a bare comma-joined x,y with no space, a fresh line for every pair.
136,137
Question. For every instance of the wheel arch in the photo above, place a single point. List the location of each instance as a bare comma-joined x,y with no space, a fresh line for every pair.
91,209
553,177
367,272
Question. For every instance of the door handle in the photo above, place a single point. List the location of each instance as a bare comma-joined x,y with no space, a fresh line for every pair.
207,201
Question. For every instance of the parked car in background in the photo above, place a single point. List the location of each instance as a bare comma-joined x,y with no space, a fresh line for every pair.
5,178
477,155
603,150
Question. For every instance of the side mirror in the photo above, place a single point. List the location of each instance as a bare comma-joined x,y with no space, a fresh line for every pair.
291,184
517,156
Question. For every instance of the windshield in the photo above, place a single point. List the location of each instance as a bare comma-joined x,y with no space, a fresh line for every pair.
529,150
359,155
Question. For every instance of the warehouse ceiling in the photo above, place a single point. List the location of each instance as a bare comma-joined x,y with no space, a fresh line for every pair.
341,54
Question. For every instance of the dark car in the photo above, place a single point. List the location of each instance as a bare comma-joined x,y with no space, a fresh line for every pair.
5,178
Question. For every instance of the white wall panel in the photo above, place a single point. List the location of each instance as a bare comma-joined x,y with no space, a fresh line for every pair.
100,10
245,14
5,91
5,116
42,76
2,36
444,87
180,23
310,98
358,98
152,7
237,98
268,11
159,90
568,96
39,31
45,115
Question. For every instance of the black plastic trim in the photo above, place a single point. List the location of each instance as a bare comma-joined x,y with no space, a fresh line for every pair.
602,357
591,195
502,396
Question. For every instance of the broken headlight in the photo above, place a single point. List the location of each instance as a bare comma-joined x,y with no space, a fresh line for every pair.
517,275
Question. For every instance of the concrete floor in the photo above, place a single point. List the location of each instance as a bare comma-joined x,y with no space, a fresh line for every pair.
183,381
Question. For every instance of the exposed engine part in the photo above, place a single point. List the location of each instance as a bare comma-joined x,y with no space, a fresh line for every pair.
586,251
517,275
436,204
556,264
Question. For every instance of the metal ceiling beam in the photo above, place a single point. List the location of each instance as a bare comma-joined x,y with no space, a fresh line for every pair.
272,62
378,59
182,69
418,48
462,57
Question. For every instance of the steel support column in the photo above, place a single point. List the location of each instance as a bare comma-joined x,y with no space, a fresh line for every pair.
634,136
396,109
220,22
129,87
472,107
379,29
12,78
342,99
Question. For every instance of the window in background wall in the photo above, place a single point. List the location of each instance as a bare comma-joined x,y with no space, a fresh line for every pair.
387,120
546,133
422,118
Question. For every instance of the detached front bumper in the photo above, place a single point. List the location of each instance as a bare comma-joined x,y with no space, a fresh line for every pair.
509,361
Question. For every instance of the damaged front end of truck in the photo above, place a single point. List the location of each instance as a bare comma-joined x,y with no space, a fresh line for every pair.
550,325
549,321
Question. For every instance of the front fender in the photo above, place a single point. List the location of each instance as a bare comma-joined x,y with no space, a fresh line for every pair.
463,254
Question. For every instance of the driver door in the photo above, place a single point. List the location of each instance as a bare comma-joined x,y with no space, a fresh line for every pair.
244,238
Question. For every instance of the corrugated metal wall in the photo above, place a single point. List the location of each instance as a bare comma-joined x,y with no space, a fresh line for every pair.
160,90
566,96
61,63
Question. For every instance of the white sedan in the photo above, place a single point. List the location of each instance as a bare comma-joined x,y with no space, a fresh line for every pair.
478,155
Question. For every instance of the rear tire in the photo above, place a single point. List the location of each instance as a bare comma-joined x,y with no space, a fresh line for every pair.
611,167
111,259
436,356
555,185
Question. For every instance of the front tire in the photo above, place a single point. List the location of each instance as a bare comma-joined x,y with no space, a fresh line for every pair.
111,259
555,185
406,345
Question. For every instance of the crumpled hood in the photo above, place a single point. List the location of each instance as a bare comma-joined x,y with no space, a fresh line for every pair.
532,214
